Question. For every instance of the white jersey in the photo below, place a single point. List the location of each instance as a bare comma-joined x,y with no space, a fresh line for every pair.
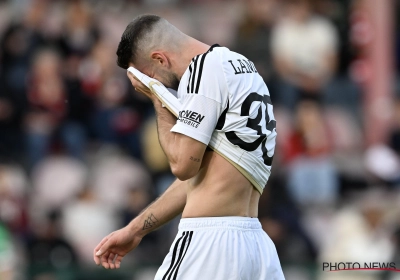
226,104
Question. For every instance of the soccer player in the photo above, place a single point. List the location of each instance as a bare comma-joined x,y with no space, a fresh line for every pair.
225,106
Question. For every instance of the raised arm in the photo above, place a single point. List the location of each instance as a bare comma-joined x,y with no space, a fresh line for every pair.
111,250
183,152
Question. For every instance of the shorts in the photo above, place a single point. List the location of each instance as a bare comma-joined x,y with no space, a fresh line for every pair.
221,248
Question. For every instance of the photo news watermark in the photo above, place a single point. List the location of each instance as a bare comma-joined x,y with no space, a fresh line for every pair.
348,266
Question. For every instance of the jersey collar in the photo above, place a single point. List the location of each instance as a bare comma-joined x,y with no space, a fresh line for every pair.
212,47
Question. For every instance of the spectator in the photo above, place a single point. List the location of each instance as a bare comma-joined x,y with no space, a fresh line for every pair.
254,37
359,234
114,122
15,52
80,29
13,208
85,222
49,192
383,164
113,168
304,48
48,110
312,178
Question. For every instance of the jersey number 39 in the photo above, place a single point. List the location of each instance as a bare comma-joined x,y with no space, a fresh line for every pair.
255,125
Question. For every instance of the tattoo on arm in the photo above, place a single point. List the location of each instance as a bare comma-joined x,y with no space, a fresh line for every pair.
195,159
150,222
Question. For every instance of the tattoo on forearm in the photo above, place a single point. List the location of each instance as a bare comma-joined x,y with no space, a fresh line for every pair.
195,159
150,222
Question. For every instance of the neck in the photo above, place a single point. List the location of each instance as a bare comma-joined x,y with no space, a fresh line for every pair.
189,50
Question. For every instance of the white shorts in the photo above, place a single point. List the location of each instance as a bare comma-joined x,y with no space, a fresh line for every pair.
221,248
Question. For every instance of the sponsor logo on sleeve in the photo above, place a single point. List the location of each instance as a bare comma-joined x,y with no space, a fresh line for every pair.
190,118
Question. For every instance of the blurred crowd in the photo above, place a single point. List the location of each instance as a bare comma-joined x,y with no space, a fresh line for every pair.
79,154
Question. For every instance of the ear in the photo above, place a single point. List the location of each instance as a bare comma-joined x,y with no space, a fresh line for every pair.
160,59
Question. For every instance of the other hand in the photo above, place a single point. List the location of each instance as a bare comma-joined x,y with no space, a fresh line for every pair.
111,250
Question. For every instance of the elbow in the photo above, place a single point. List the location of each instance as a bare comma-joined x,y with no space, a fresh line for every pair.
183,173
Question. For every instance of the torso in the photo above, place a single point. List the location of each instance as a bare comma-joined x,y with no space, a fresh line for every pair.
223,95
219,189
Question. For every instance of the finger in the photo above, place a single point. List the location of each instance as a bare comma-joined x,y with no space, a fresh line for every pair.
103,248
96,250
118,261
96,258
131,75
139,86
104,260
104,240
111,258
134,80
140,90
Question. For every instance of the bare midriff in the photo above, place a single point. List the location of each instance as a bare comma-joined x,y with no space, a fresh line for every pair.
219,189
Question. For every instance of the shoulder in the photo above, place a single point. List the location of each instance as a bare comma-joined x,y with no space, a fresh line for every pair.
224,66
205,68
215,59
209,59
211,73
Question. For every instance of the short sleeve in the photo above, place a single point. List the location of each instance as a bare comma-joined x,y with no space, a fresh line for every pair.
202,98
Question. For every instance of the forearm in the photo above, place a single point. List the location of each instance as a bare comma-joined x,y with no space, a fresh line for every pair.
168,140
161,211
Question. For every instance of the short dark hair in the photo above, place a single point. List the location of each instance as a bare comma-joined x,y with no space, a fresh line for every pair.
134,32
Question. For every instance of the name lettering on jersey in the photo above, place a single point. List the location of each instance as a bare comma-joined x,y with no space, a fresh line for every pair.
190,118
243,66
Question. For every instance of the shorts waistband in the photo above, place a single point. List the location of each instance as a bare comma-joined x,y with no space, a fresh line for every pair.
243,223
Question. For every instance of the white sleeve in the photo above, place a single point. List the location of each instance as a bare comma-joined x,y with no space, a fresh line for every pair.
203,102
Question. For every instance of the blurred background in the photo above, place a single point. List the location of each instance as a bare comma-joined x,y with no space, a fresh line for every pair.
79,155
